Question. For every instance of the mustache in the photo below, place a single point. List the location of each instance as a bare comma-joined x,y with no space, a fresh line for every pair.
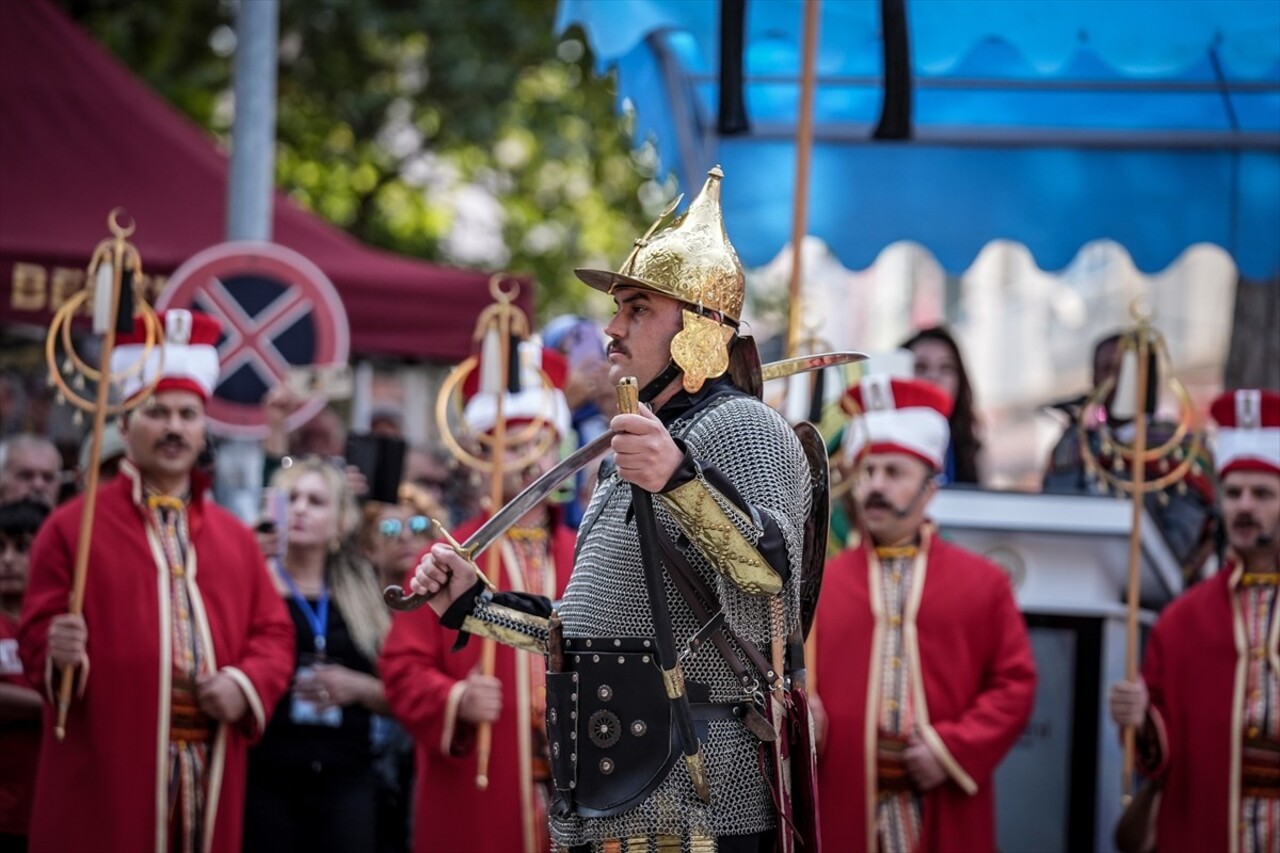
173,440
617,346
877,501
1245,520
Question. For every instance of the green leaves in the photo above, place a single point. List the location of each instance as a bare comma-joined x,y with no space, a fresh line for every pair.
460,132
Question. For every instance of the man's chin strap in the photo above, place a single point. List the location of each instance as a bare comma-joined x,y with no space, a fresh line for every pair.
660,382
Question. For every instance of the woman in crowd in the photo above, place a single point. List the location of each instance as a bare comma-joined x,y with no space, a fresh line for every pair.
393,535
312,783
937,360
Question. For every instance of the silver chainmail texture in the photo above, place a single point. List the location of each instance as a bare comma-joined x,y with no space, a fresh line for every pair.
757,451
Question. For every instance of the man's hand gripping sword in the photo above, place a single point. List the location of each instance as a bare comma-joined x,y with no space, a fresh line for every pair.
397,598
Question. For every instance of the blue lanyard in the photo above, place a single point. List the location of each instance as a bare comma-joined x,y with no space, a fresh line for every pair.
317,617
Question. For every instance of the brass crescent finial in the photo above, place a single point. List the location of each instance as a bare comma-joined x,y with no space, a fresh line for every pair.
1174,457
496,290
507,318
113,222
68,369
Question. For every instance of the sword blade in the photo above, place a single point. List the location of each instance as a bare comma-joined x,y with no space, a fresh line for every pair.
533,494
500,522
804,363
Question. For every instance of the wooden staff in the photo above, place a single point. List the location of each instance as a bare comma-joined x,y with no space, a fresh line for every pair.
119,255
1138,479
484,735
804,144
1182,447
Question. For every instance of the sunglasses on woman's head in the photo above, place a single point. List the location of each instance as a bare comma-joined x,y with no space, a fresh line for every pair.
418,525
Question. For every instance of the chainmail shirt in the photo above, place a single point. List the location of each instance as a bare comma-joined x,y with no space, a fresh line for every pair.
755,449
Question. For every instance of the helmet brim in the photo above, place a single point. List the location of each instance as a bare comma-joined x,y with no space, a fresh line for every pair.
607,280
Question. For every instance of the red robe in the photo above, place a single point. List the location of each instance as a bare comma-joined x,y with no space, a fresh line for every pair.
103,788
977,676
423,679
1192,667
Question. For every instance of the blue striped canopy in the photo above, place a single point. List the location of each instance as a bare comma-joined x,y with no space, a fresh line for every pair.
1155,123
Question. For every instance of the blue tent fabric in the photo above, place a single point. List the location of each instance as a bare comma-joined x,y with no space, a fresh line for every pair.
1155,123
1143,37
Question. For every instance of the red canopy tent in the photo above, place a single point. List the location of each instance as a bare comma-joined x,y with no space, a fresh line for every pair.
79,135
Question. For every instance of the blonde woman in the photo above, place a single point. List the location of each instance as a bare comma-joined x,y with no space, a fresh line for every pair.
312,784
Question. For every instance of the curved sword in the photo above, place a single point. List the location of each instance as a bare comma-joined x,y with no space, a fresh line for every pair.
397,598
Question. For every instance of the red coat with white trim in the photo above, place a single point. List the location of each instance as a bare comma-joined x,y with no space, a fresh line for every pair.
424,679
979,679
1191,666
103,788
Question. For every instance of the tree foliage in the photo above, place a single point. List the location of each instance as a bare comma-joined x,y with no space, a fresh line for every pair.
460,131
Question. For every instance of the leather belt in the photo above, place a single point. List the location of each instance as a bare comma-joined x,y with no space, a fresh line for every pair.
187,723
891,765
697,843
1260,768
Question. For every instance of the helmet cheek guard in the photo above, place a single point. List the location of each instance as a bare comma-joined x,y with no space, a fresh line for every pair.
693,261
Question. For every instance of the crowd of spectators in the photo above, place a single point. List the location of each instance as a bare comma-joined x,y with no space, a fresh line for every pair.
334,767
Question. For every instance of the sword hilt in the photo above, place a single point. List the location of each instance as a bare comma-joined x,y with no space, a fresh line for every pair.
628,396
397,598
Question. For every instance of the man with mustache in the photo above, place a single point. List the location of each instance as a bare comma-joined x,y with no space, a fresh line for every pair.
923,664
183,646
731,491
1207,708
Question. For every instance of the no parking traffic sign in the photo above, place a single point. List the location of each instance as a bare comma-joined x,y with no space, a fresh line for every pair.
277,309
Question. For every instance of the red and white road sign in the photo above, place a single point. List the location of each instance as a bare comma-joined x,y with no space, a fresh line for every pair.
277,309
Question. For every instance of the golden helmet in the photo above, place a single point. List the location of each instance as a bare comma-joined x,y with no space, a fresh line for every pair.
692,261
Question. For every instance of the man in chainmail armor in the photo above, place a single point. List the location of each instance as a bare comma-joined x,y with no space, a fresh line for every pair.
732,490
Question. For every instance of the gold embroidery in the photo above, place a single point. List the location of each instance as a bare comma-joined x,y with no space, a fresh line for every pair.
897,552
707,525
529,534
701,350
166,502
674,680
515,634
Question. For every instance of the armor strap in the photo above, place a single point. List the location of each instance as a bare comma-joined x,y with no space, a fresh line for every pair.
714,624
698,596
660,382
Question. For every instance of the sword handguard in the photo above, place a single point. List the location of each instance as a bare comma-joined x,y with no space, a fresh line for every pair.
397,598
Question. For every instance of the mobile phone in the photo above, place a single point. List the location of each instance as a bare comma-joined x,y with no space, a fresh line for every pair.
380,458
331,381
